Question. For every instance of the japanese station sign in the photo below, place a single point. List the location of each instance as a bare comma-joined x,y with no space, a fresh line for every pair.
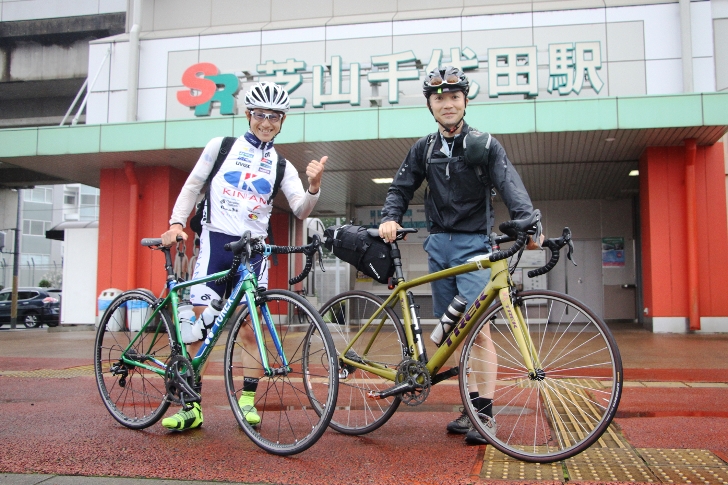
511,70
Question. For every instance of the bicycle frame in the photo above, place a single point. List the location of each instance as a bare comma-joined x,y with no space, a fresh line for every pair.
499,286
246,287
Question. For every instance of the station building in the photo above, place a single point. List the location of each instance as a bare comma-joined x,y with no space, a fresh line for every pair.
614,112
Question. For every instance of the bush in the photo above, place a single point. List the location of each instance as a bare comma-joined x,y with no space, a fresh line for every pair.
44,283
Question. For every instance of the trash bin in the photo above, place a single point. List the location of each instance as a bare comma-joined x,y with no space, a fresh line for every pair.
136,314
118,322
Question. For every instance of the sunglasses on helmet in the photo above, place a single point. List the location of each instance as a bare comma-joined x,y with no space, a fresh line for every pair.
449,79
273,117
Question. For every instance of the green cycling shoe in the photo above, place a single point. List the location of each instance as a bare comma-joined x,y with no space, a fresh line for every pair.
185,420
247,406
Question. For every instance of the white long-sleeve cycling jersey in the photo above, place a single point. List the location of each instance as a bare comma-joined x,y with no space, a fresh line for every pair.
240,190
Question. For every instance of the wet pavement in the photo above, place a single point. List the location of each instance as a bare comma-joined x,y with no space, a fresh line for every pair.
672,424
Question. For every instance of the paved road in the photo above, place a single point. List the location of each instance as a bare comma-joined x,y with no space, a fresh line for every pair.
55,430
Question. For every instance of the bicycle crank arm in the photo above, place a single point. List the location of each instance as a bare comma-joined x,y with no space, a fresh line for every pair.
393,391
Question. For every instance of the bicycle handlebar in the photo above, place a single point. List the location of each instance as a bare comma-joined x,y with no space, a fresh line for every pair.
555,245
518,231
245,247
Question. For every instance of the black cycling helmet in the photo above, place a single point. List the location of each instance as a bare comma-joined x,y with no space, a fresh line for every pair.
444,80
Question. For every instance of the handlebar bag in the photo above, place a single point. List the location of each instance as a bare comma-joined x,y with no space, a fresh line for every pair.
354,245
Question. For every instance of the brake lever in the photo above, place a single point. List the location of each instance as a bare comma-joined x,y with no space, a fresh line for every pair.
248,250
570,251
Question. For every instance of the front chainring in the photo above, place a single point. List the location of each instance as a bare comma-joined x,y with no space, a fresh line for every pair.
178,379
416,373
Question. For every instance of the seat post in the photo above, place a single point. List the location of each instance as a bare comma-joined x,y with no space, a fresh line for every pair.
397,259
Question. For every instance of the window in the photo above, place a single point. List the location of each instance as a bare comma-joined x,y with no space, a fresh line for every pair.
69,199
35,228
32,259
39,194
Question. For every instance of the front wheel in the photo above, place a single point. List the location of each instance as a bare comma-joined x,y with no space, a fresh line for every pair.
135,396
292,407
382,344
569,400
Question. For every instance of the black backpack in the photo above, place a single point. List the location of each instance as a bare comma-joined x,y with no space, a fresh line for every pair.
352,244
227,144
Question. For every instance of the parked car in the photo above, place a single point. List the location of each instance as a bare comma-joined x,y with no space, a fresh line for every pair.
36,306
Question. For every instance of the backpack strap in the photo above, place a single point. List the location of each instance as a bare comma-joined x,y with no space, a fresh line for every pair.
430,148
225,146
280,171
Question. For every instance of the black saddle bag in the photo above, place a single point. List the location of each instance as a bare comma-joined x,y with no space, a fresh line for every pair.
354,245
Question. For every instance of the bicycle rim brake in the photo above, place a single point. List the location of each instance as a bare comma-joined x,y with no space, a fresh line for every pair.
290,409
568,402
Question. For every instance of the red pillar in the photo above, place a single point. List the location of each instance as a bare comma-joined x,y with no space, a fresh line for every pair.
691,233
676,284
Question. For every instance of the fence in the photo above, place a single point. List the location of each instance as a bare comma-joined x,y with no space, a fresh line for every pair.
30,274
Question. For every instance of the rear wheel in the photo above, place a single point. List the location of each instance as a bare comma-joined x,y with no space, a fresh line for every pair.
568,403
135,396
292,407
345,314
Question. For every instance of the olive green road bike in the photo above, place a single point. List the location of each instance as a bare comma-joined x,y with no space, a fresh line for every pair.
142,366
550,364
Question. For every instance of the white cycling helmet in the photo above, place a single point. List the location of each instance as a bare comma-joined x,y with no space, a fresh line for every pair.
267,96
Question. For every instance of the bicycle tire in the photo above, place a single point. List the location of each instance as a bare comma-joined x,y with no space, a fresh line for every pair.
139,400
568,408
295,407
357,414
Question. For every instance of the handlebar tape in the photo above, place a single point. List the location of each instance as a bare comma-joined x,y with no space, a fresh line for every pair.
555,254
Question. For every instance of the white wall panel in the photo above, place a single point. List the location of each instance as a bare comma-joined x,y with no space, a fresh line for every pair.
662,27
230,40
97,108
627,78
152,104
153,58
409,27
664,76
358,50
119,66
423,44
234,59
359,31
701,29
481,41
703,75
117,107
569,17
625,41
498,22
112,6
96,56
293,35
311,52
178,62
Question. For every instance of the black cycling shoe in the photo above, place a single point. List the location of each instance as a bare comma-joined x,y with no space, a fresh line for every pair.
472,437
461,425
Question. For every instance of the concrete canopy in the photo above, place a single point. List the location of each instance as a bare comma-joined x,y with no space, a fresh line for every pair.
564,149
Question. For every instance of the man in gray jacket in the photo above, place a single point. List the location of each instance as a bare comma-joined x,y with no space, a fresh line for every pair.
458,207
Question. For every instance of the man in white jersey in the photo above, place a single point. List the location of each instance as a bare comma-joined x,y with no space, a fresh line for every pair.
239,201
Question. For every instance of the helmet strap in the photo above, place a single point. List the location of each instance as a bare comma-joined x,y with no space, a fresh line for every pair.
455,127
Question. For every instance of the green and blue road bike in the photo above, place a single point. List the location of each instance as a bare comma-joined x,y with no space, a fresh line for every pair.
142,366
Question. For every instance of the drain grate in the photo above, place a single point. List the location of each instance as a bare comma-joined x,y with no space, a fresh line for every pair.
79,371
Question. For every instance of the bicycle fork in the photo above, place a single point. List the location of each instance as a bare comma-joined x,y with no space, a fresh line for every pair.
284,368
520,332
